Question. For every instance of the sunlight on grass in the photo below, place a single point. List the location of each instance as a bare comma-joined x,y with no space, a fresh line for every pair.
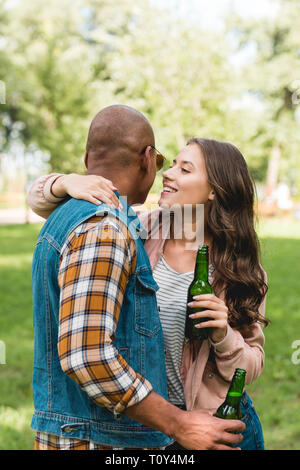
16,261
15,433
283,227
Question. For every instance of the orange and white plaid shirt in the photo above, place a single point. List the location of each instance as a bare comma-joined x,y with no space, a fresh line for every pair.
95,264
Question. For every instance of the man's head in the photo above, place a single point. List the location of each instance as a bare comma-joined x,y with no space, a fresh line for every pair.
119,148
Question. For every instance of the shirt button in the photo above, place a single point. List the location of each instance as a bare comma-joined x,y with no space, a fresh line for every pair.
210,376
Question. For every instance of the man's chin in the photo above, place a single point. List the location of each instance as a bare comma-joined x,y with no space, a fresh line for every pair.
140,200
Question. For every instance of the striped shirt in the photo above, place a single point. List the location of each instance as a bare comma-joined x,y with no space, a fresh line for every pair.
95,264
172,300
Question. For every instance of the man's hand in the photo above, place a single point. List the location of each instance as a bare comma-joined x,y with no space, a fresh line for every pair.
201,431
194,430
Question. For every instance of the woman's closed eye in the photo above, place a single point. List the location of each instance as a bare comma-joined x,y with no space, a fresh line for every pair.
183,170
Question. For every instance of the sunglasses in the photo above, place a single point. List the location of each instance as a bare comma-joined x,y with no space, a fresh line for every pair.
160,159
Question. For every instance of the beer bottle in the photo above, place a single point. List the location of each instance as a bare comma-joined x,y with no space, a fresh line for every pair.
199,285
230,408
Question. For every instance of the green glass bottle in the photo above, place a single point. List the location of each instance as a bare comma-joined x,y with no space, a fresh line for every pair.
199,285
230,408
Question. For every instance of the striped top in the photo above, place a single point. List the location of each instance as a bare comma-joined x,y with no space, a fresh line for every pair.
172,300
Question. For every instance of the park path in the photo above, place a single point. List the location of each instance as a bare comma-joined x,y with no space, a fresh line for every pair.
19,216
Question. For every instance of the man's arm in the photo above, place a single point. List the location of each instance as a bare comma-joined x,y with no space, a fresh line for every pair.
194,430
95,265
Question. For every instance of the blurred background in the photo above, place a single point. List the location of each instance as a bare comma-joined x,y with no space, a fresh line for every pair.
222,69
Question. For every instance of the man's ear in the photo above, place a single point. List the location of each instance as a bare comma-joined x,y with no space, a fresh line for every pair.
86,159
145,159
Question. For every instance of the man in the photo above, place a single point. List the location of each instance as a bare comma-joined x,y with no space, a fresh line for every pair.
99,376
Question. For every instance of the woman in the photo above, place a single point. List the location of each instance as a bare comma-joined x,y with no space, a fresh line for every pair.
214,174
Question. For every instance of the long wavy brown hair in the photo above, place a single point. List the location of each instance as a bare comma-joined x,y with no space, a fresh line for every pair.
235,251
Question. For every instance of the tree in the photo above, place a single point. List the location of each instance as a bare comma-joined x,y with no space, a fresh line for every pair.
49,86
180,78
273,79
58,77
70,60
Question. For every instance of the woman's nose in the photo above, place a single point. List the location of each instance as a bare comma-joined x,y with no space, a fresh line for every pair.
167,173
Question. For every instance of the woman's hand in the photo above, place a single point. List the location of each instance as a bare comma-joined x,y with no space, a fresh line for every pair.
216,311
92,188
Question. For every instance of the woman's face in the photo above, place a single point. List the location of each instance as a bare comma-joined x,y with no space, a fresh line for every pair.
186,181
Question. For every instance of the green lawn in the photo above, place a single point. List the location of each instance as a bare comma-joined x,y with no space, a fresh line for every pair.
16,248
276,393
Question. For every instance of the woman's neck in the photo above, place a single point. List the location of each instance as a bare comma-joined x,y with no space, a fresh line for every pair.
189,234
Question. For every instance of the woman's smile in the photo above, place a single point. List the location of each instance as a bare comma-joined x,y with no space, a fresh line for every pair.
168,189
186,181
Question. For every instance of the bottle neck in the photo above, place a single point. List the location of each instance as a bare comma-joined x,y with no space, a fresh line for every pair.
233,401
201,267
236,388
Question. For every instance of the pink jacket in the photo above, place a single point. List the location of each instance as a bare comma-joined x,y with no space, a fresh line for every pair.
205,382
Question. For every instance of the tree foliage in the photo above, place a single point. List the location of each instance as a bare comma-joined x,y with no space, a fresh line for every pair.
273,78
63,61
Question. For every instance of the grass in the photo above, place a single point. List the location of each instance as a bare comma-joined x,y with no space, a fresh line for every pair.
16,248
276,394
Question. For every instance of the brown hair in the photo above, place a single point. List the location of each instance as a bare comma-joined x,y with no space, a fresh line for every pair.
235,250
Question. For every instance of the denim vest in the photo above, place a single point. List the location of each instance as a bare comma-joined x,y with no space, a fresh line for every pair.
61,407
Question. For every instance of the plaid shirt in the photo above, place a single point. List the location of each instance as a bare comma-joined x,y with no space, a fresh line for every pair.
44,441
95,264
